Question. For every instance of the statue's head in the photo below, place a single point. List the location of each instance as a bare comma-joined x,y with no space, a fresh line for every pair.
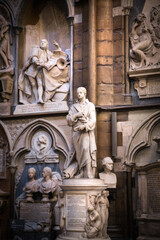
81,93
107,163
47,171
44,44
31,172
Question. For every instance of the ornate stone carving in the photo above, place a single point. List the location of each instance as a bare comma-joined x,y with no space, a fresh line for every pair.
6,69
82,118
145,40
107,176
97,222
41,149
44,77
154,19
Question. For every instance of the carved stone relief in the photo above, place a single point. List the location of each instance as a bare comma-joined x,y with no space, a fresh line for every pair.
6,59
145,38
44,77
41,149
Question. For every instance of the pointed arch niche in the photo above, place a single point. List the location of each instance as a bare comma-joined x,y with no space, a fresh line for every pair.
39,144
43,19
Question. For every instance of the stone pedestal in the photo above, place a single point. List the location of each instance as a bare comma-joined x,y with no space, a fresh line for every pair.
77,194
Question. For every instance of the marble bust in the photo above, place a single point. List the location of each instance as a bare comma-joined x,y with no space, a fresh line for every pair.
109,178
31,186
47,184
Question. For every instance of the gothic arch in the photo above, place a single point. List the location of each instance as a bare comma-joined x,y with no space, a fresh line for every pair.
10,144
22,143
141,138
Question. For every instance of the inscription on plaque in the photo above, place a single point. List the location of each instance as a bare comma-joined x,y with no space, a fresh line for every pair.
153,180
76,212
35,212
47,107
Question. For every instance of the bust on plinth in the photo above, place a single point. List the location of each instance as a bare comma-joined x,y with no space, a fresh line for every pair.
109,178
31,186
48,184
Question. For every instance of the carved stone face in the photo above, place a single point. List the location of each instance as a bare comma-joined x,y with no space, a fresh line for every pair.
44,44
31,173
44,173
108,166
80,94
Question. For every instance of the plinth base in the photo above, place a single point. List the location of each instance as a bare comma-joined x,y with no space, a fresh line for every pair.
78,195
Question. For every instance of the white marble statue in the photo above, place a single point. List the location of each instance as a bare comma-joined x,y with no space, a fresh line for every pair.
82,118
48,184
31,186
102,205
43,75
109,178
97,221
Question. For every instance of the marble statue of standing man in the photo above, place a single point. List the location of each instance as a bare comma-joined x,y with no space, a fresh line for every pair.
82,118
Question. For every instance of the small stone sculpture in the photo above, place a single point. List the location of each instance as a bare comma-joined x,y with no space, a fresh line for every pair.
97,221
31,186
82,118
93,225
102,204
43,75
107,176
48,184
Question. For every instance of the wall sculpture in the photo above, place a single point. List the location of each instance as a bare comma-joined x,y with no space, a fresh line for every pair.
145,40
44,77
6,59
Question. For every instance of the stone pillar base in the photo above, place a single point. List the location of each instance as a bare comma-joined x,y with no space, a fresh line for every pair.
74,202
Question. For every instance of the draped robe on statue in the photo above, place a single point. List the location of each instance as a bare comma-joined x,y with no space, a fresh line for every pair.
52,77
84,141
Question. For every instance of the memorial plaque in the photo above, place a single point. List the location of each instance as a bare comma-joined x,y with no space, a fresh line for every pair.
76,212
36,212
56,107
153,180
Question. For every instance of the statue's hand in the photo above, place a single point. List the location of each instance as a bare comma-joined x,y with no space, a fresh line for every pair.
79,128
78,115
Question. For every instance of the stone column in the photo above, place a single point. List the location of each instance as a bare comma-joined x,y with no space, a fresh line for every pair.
71,61
92,51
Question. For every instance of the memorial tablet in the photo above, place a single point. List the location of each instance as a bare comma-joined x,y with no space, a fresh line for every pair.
76,212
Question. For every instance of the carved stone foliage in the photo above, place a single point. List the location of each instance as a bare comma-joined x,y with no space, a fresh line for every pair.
6,68
145,40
